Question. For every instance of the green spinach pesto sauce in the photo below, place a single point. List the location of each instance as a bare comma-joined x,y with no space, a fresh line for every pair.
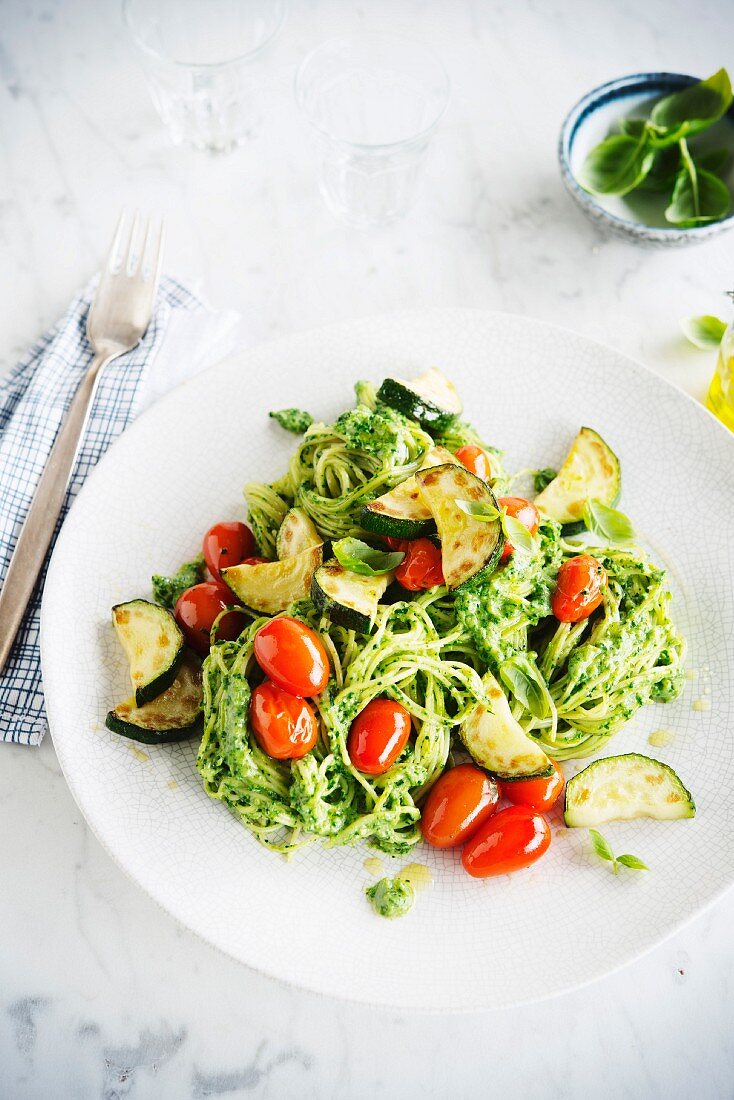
391,897
293,420
166,590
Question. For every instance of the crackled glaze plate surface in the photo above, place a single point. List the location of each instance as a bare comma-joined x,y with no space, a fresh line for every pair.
467,944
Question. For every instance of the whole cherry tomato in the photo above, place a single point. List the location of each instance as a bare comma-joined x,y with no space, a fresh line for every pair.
538,794
197,608
396,544
522,510
292,656
255,561
421,566
513,838
458,803
285,727
378,735
579,588
476,460
227,544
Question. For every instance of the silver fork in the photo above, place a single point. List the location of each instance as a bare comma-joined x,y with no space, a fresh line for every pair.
117,321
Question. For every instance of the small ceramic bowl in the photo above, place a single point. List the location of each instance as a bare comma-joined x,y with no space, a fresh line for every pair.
639,216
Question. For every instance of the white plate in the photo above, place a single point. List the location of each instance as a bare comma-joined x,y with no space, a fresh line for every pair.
467,944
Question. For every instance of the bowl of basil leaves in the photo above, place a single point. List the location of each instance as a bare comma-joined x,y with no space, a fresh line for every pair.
651,157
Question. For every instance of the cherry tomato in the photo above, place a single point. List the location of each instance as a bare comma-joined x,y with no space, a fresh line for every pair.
513,838
378,735
538,794
285,726
421,566
579,588
458,803
197,608
255,561
292,656
396,544
227,544
523,510
476,460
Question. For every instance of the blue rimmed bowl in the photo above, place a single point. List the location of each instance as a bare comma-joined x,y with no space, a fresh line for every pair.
640,215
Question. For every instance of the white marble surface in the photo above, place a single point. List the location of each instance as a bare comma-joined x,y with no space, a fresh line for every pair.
101,994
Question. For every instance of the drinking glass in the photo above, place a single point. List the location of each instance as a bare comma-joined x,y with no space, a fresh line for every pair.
198,58
374,103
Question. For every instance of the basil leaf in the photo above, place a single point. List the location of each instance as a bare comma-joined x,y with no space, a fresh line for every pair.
293,420
693,109
600,846
713,160
541,478
485,513
704,332
699,197
608,523
518,534
633,862
617,165
662,174
358,557
522,678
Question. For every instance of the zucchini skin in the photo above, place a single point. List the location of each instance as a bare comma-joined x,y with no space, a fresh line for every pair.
392,526
152,737
410,404
348,617
146,693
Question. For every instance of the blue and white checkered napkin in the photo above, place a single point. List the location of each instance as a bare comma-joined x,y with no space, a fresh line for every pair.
183,337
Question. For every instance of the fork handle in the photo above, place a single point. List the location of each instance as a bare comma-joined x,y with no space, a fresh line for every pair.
37,531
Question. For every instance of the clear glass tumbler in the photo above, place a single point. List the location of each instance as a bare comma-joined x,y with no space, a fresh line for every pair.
198,57
374,102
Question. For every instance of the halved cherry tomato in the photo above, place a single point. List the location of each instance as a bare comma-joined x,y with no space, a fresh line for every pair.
292,655
476,460
285,727
378,735
523,510
579,588
197,608
227,544
513,838
421,566
538,794
458,803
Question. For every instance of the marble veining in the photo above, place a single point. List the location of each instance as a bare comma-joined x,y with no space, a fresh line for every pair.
101,994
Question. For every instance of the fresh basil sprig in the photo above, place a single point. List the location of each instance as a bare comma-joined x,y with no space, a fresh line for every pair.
515,532
604,851
653,154
704,332
609,523
358,557
522,678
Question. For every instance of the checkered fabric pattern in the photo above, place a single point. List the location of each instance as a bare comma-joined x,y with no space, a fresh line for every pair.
34,399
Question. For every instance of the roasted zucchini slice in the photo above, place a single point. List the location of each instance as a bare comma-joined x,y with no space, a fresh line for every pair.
497,741
153,645
620,788
296,534
401,513
590,470
430,399
469,546
349,599
174,716
274,585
